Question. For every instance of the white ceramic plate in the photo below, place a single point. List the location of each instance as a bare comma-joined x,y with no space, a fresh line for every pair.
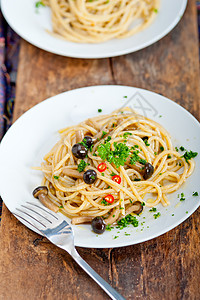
22,17
35,132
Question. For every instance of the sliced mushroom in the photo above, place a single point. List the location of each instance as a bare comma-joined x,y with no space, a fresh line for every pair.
113,216
81,220
136,208
72,173
79,136
41,193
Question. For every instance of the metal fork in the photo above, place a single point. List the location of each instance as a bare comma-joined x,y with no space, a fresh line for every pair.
56,229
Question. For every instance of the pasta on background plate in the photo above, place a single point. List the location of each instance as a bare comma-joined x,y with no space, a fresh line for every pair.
87,21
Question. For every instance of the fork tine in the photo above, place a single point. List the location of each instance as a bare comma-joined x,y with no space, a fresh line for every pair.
30,216
36,212
26,221
44,210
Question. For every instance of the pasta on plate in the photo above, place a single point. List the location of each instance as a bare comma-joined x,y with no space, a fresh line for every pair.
87,21
111,166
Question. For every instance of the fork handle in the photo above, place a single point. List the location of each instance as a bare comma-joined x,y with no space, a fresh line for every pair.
99,280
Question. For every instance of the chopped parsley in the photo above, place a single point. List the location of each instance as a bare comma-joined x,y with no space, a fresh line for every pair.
61,206
182,197
125,96
99,110
103,134
125,135
118,156
84,143
157,215
176,148
81,166
113,174
129,219
143,203
108,139
169,156
156,11
136,179
146,142
116,237
39,3
182,148
104,202
109,227
189,154
135,158
55,177
153,209
195,194
161,148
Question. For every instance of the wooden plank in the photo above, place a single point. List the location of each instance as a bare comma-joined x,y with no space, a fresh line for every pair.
164,268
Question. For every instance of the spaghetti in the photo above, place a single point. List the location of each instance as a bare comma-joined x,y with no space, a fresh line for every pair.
129,162
86,21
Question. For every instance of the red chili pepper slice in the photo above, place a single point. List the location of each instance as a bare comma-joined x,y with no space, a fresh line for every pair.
109,198
101,167
117,179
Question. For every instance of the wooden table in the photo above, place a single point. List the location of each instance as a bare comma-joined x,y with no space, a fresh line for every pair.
166,267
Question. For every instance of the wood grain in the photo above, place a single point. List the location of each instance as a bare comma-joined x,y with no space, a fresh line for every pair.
164,268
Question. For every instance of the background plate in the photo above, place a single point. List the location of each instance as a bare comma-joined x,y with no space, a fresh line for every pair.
35,132
22,17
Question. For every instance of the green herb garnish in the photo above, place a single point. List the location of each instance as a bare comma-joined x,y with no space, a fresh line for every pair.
81,166
135,158
125,135
195,194
108,139
99,110
103,134
189,154
157,215
55,177
39,3
113,174
104,202
182,197
161,148
182,148
109,227
118,156
153,209
129,219
146,142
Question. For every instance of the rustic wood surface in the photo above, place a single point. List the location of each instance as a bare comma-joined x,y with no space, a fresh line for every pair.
166,267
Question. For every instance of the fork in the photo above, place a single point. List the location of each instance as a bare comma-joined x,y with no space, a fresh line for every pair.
57,230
